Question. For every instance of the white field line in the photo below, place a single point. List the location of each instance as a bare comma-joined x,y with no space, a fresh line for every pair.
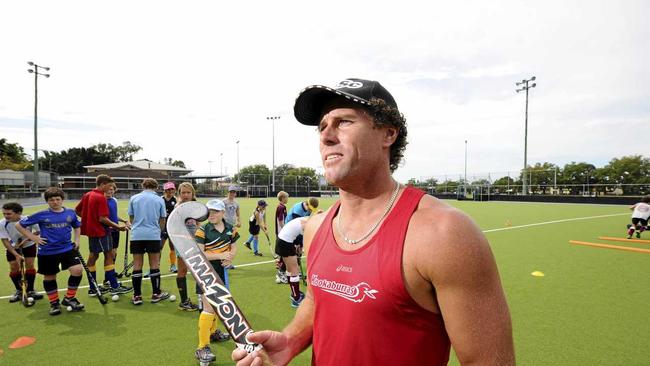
552,222
485,231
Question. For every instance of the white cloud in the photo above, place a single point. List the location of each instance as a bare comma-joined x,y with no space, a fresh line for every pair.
187,81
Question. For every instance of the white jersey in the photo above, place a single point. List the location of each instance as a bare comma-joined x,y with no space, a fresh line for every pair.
8,231
291,230
641,211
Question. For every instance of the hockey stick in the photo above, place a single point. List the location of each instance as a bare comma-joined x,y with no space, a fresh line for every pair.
24,297
302,271
91,279
218,296
268,240
125,271
127,265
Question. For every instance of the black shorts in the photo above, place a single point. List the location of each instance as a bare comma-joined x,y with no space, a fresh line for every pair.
29,252
254,229
636,221
100,244
284,249
145,246
298,240
49,264
220,272
115,237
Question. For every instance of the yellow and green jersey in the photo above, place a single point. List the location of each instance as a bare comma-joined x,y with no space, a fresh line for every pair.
214,240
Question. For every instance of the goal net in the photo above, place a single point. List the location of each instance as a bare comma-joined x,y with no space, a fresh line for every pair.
257,191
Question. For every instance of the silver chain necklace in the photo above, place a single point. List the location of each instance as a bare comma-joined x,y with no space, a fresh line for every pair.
388,207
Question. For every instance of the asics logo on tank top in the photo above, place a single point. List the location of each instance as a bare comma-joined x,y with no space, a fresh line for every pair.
355,293
349,84
342,268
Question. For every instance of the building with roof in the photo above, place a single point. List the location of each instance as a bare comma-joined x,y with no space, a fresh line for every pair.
128,175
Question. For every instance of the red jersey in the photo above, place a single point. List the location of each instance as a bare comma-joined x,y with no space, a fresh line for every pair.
280,215
92,206
363,312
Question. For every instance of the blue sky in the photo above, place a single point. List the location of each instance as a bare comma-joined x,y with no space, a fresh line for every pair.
187,81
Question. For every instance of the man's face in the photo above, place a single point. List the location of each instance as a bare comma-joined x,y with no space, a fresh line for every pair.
55,203
232,194
10,215
110,191
350,144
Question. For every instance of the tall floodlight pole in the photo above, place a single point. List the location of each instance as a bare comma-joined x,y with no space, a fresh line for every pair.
238,177
525,85
210,164
273,118
465,180
36,72
221,164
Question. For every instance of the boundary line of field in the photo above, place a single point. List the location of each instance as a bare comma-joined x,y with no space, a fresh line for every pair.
552,222
485,231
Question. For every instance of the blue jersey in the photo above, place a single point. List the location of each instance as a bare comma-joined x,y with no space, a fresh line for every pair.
297,211
56,228
112,210
146,208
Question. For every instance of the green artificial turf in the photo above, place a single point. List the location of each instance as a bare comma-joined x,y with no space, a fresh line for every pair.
588,309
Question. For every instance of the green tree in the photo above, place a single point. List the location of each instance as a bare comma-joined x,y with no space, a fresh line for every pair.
303,176
577,175
448,186
172,162
633,169
115,154
258,174
504,185
542,175
12,156
504,181
481,182
126,151
73,160
283,169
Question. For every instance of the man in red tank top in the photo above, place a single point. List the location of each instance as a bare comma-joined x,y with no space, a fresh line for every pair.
391,281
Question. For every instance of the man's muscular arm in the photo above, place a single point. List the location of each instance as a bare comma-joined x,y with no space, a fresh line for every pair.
454,257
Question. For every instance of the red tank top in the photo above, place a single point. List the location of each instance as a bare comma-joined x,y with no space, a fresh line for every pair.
363,313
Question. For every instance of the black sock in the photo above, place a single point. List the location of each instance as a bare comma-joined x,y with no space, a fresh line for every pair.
30,275
181,282
73,284
74,281
136,279
15,278
155,280
50,287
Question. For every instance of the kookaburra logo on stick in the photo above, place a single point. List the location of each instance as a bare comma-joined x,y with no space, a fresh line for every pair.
217,294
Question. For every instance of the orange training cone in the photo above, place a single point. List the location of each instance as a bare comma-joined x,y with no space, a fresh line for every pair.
21,342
